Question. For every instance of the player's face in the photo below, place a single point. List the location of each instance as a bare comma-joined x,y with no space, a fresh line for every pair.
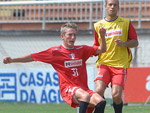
112,7
69,37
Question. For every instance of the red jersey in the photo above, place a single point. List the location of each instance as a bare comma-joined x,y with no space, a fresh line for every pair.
70,64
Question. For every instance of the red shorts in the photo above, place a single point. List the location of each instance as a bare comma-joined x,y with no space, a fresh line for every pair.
113,75
68,95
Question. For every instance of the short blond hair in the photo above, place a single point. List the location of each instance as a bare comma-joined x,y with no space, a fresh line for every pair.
65,26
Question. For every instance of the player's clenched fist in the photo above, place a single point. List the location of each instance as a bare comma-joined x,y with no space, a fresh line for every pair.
7,60
102,32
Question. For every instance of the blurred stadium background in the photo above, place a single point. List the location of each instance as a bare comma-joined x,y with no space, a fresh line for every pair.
28,26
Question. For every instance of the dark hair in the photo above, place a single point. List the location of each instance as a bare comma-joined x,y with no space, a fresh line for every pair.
107,0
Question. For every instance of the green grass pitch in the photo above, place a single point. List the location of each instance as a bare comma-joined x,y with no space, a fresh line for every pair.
61,108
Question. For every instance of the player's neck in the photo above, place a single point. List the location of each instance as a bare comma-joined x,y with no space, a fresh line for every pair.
67,47
111,18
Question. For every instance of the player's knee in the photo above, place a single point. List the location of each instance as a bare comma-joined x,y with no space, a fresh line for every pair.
86,97
116,97
97,98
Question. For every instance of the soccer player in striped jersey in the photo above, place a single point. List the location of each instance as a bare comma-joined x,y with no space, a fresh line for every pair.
112,65
69,61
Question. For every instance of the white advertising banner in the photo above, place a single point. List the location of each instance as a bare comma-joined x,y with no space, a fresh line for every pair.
34,85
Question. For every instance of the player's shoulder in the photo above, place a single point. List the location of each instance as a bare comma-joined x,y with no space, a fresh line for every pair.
99,22
55,48
123,19
79,47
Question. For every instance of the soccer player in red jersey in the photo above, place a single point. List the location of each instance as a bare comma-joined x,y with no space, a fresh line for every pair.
112,65
69,61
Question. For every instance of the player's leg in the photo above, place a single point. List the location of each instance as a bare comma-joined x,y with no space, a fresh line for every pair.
118,82
98,102
99,108
100,84
100,90
89,110
82,98
83,106
102,79
117,98
100,87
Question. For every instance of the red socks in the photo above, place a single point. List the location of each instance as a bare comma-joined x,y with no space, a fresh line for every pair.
90,110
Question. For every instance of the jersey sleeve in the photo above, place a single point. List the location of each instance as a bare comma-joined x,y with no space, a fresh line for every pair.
89,51
43,56
96,43
132,33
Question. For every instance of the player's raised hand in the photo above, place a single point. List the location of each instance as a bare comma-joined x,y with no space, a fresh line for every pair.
102,48
7,60
102,32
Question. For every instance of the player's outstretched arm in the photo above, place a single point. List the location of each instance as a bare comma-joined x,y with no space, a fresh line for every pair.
23,59
102,47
